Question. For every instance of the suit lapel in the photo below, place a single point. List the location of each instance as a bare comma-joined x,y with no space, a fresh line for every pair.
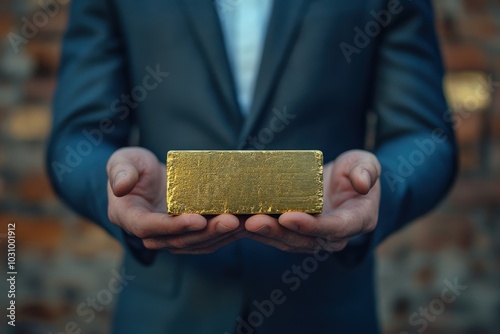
282,30
281,33
204,22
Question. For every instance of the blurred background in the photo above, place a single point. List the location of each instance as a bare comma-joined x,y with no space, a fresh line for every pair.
62,260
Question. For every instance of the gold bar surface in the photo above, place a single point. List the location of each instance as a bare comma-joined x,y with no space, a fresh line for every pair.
244,182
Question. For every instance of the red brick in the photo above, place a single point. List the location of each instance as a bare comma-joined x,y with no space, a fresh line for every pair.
36,188
393,244
40,89
477,27
6,24
440,231
56,25
468,127
463,57
469,158
29,122
92,240
476,6
44,311
476,192
42,233
425,275
45,54
468,131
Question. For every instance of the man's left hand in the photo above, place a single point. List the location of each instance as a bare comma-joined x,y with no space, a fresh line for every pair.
351,204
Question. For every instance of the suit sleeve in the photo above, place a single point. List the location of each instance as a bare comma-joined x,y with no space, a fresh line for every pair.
90,121
415,142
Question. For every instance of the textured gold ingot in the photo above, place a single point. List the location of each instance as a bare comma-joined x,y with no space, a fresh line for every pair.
244,182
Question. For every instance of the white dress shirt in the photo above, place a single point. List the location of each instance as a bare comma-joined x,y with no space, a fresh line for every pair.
244,26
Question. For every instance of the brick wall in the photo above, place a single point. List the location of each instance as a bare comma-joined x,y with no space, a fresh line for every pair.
63,259
460,240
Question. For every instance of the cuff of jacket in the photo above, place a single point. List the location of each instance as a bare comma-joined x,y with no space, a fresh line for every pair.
138,250
356,250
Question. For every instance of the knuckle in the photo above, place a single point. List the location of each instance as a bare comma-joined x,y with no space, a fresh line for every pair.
139,232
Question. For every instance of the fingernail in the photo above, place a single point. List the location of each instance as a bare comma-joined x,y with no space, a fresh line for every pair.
118,178
221,228
366,177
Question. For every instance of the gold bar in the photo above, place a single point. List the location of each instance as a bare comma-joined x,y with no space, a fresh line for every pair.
244,182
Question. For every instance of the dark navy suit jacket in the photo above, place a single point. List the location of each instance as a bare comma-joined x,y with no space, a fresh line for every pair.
159,69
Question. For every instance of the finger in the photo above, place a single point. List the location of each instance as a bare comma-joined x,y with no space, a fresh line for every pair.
279,244
269,227
146,224
260,224
216,230
224,223
180,245
239,233
214,246
122,177
364,175
320,244
125,166
342,224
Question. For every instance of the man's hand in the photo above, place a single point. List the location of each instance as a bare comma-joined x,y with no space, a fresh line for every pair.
351,203
136,203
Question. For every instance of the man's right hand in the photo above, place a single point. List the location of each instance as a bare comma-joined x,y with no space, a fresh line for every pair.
136,203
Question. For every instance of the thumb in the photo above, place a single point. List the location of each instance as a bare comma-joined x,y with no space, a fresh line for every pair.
364,173
123,173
